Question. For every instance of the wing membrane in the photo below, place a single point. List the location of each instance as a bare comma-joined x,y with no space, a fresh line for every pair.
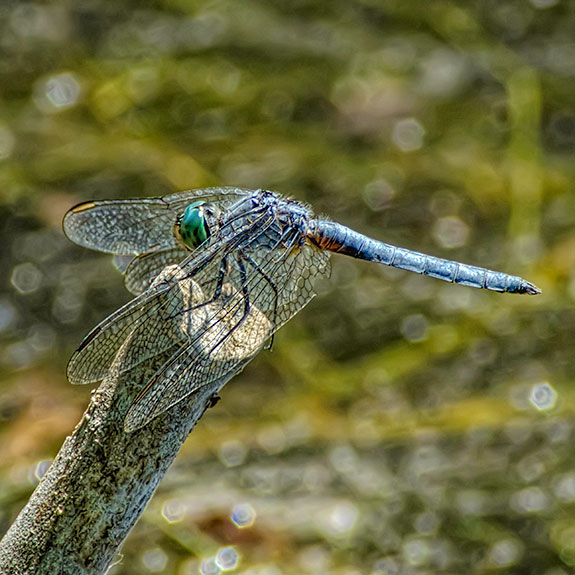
228,338
147,318
136,226
143,269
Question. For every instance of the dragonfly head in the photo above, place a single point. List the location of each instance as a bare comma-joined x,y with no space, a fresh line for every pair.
191,228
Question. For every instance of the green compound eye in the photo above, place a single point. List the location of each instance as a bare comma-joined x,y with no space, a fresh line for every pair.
192,227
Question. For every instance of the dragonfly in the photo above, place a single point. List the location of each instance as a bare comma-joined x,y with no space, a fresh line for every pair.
215,273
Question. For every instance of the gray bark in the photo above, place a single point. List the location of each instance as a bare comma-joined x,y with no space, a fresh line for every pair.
100,482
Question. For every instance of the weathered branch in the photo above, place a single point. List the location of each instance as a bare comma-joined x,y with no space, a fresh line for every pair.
100,482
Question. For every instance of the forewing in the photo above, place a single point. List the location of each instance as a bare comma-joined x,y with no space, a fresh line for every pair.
121,226
136,226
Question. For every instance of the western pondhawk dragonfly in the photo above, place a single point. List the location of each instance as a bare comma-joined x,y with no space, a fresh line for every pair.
215,273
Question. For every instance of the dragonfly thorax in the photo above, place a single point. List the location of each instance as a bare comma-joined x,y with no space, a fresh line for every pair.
191,228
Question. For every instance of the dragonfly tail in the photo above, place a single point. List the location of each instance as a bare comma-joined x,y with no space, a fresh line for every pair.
334,237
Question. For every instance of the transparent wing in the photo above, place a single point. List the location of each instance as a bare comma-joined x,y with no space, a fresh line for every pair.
150,319
143,269
224,335
91,361
136,226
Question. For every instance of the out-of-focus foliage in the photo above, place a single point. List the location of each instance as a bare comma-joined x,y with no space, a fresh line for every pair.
400,425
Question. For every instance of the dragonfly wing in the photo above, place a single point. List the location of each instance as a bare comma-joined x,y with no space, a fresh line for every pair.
295,277
234,328
143,269
145,319
151,320
121,226
137,226
90,362
203,355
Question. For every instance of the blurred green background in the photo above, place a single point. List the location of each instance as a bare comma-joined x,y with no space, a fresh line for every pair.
399,425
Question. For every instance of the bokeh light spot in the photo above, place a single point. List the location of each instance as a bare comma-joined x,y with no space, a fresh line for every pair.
408,135
504,553
416,551
530,500
58,92
233,453
450,232
210,567
227,558
444,73
378,194
343,517
414,328
41,468
564,487
26,278
155,560
173,510
543,396
243,515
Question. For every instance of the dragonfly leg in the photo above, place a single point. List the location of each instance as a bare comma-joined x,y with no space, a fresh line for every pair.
245,290
246,301
274,288
222,273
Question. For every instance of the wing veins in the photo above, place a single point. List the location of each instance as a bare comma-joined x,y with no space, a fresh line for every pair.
141,412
